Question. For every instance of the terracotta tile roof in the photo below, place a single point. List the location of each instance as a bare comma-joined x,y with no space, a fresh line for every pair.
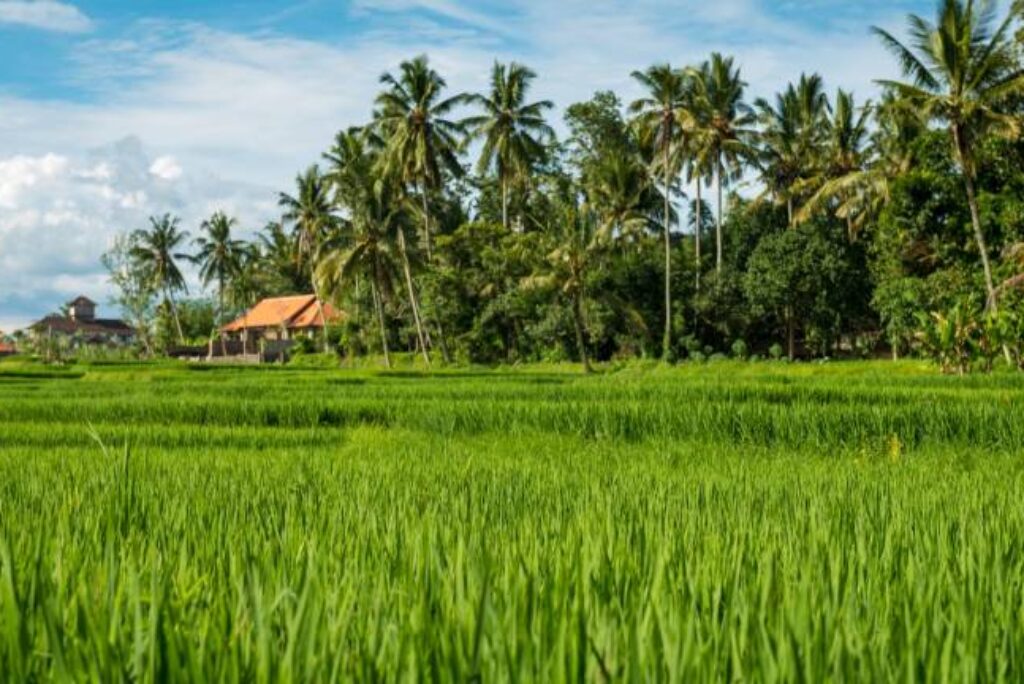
310,317
289,312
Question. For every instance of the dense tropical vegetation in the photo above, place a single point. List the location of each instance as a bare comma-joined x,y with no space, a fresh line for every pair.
456,225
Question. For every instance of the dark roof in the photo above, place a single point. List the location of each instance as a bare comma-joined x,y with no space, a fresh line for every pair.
81,300
70,326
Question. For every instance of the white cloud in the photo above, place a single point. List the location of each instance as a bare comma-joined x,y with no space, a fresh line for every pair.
166,168
58,214
49,15
216,105
19,174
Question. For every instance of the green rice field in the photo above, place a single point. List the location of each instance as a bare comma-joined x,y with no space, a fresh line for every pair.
723,522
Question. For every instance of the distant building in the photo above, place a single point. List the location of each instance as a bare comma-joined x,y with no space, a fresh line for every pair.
282,318
81,325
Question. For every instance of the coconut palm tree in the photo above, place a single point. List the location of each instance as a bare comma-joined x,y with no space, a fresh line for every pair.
155,251
726,128
962,70
514,133
421,143
845,151
619,190
310,211
277,249
700,172
664,118
860,194
578,241
791,133
220,256
373,242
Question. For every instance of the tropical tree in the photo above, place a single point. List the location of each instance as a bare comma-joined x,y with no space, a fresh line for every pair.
962,70
310,211
844,152
790,136
664,117
220,256
371,243
856,181
725,123
135,291
156,252
514,133
276,250
578,243
421,143
620,192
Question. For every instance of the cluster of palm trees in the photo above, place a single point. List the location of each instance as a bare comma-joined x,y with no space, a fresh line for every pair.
369,218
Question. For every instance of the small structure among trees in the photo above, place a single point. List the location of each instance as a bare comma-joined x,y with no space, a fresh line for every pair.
79,325
281,319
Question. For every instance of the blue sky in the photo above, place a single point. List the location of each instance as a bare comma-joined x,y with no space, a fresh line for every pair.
113,110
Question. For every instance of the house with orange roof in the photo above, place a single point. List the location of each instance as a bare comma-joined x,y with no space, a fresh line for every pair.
282,318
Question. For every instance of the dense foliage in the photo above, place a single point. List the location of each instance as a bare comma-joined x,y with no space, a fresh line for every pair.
457,224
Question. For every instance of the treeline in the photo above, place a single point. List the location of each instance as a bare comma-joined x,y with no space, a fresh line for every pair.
690,222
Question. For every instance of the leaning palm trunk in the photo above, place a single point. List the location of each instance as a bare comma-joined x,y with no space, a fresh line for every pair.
426,223
379,309
718,221
666,344
174,314
220,317
412,297
504,203
972,201
979,236
581,341
320,312
697,232
430,260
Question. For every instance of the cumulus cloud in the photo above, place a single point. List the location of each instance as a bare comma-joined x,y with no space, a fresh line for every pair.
48,15
58,214
166,168
260,107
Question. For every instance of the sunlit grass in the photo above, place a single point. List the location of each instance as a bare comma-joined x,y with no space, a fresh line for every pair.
717,522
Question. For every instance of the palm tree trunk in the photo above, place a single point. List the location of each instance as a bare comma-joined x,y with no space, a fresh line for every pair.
320,311
718,220
430,260
789,212
699,224
504,203
581,342
412,297
426,222
174,314
220,316
972,201
666,344
979,236
379,308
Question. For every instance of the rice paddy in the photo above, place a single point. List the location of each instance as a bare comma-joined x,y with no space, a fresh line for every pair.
759,522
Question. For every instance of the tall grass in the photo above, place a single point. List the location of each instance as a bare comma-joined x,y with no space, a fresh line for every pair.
245,525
